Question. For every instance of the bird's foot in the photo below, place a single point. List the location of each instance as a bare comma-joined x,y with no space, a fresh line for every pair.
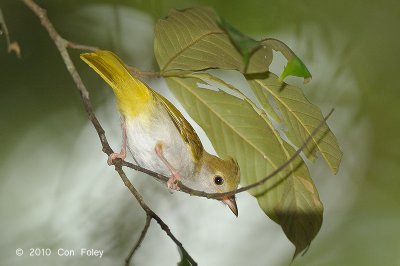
114,156
172,183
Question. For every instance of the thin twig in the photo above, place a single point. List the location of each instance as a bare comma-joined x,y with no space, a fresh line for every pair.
137,72
139,241
78,46
139,198
11,46
62,46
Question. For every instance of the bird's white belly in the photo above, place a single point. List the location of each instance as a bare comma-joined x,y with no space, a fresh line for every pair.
143,136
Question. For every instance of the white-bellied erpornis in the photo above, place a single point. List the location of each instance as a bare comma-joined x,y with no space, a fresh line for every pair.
159,137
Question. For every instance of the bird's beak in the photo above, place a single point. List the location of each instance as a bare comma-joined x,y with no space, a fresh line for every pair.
231,202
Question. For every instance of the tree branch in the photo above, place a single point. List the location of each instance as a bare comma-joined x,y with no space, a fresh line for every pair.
78,46
137,72
139,198
62,46
139,241
11,46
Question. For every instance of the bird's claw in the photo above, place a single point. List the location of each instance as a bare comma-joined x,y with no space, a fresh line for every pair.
172,184
114,156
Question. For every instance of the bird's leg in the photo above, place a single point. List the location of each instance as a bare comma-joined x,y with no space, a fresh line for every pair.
174,178
122,154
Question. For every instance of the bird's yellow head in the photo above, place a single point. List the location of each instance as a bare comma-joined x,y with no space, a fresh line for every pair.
217,176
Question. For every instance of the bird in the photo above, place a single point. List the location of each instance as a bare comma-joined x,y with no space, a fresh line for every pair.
159,137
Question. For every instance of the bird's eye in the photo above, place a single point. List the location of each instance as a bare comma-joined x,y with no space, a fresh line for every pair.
218,180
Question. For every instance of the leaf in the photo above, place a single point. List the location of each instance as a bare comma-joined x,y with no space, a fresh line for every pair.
236,129
294,67
247,46
300,210
192,40
184,258
300,116
243,43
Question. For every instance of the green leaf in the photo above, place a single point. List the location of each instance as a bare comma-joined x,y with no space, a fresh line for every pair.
247,46
184,258
243,43
300,116
290,198
192,40
294,66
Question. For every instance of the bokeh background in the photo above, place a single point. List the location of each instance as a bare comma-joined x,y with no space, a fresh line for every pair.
56,190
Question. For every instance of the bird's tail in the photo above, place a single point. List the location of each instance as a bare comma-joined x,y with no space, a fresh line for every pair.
132,94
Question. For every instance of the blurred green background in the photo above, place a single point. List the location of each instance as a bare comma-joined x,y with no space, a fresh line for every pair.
56,190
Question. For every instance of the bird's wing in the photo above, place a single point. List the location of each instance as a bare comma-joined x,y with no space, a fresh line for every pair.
183,126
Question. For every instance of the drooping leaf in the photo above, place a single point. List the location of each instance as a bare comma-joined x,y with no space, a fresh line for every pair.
247,46
294,67
192,40
184,258
300,116
300,210
290,198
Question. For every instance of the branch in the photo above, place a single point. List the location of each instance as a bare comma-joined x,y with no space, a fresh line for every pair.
137,72
139,198
11,46
81,47
139,242
62,46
